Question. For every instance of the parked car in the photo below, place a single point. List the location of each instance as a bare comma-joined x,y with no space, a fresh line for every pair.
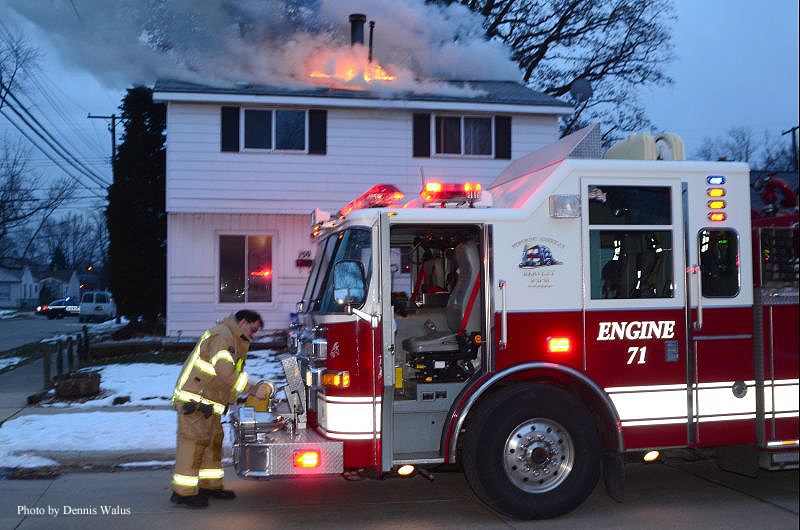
63,307
97,305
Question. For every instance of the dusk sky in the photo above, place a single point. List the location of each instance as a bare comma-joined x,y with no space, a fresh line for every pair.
736,65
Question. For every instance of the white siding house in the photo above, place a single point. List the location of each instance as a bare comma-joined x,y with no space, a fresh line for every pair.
18,288
246,166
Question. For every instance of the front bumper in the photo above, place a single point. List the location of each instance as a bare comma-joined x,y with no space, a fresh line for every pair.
264,449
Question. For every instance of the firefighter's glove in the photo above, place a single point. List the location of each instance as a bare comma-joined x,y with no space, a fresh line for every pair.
264,390
189,407
206,408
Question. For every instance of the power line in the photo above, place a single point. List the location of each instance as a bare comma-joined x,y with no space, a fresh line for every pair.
66,154
40,148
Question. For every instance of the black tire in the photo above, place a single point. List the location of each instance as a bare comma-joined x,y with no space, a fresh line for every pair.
493,431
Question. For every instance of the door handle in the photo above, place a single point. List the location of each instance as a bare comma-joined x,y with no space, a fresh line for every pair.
698,323
503,315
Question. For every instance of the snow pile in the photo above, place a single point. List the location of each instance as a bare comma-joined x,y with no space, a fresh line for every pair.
7,313
153,383
10,361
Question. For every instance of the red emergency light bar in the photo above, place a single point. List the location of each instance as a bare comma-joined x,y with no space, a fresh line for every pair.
378,196
450,192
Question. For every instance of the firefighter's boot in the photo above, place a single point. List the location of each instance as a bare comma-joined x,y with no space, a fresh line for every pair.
190,501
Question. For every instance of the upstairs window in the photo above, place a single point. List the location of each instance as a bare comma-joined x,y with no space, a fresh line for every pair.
281,130
286,127
463,135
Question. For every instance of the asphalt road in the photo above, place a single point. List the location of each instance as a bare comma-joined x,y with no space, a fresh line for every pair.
15,332
673,495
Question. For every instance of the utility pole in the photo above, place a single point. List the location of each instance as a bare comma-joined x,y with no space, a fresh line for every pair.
793,130
113,129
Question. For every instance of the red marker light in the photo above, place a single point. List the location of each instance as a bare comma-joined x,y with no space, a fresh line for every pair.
264,273
717,216
378,196
558,344
450,192
305,459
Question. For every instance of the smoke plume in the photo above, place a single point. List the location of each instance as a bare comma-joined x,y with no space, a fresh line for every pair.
269,42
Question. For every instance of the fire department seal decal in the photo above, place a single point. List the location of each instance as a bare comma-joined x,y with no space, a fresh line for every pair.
536,259
535,253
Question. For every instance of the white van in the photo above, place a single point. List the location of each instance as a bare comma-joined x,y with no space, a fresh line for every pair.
97,305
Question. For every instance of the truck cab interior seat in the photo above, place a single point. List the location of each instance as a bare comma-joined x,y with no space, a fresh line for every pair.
469,266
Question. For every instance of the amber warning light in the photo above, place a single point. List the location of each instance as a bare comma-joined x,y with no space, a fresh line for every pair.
305,459
558,344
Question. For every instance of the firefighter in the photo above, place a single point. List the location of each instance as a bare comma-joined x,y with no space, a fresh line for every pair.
211,378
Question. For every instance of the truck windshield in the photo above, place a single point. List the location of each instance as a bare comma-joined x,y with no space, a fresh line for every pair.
353,244
318,270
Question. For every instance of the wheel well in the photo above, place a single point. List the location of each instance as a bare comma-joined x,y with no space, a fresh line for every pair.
605,417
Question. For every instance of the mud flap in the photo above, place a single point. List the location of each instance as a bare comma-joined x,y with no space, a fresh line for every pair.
614,474
739,459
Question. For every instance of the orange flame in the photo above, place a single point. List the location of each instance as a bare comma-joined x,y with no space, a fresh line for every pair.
347,68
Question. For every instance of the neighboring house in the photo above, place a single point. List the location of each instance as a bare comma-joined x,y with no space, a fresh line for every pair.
59,284
18,288
247,165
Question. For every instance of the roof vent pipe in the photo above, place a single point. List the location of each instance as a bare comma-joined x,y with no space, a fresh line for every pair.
371,31
357,28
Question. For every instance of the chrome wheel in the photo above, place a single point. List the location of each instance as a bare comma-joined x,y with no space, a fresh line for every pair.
538,455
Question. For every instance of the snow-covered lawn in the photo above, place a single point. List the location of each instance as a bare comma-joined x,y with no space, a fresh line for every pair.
10,361
153,383
118,430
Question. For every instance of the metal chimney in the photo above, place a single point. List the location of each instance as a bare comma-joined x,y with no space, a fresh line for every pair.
357,21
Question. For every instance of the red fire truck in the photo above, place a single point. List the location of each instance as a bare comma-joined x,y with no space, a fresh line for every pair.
574,315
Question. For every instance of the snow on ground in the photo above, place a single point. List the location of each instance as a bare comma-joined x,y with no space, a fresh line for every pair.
117,430
153,383
10,361
84,431
7,313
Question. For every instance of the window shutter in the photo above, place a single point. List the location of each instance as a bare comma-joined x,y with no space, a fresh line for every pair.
502,137
317,132
229,133
422,135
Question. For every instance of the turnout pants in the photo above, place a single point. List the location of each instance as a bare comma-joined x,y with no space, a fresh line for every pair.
198,457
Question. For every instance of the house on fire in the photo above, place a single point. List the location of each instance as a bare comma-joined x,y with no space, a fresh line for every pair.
247,165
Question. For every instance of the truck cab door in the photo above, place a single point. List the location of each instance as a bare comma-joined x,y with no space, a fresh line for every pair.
385,348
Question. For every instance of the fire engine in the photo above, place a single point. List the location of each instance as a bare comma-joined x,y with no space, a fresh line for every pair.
574,315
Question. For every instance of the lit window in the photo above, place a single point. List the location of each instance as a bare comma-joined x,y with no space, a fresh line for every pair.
245,269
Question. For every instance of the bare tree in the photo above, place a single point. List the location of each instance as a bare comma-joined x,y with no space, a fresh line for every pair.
619,46
23,196
738,144
81,238
16,55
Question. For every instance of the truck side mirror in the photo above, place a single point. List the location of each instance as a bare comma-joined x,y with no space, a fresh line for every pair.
349,284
